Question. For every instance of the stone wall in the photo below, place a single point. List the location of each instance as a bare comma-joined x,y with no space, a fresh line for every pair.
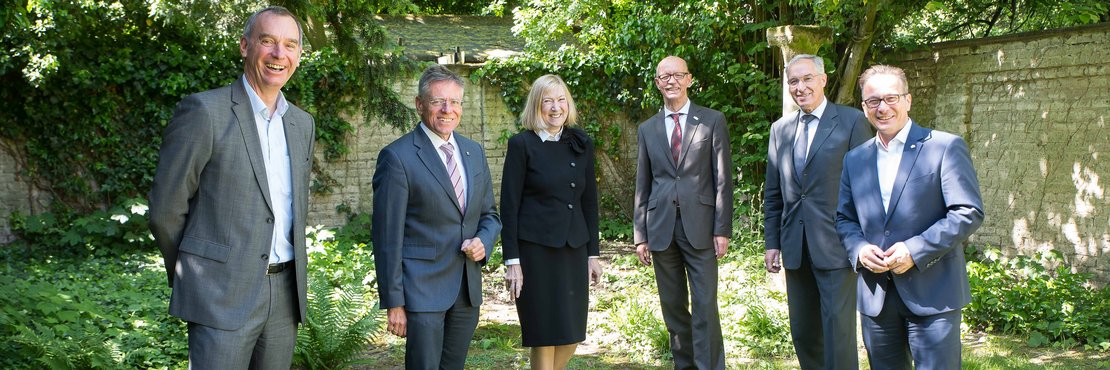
486,119
1034,109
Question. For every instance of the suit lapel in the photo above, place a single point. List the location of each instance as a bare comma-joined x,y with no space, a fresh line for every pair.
825,128
872,197
471,163
241,108
790,132
297,152
693,123
914,143
658,129
430,157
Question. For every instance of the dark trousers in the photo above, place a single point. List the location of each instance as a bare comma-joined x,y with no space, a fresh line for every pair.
440,340
696,341
265,341
822,305
896,336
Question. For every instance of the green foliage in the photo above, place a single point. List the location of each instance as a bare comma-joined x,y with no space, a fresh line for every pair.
1020,295
965,19
607,53
87,87
123,227
615,229
340,325
747,226
86,312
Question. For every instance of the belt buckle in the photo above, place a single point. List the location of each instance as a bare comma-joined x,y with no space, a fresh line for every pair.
277,268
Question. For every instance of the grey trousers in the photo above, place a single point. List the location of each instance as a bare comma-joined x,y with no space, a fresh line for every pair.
265,341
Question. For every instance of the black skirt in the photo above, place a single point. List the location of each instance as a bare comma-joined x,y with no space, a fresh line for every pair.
555,298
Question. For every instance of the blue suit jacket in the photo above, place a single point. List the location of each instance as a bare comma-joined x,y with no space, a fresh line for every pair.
418,229
934,207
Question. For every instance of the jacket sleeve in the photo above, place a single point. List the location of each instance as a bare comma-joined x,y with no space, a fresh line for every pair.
590,202
772,196
960,190
512,188
388,233
186,149
722,171
643,189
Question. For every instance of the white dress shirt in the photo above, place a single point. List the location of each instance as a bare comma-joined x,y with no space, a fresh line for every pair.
275,155
437,142
811,130
683,113
887,161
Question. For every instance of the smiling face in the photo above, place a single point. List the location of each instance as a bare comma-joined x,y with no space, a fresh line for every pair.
669,83
271,53
807,84
554,108
888,119
441,109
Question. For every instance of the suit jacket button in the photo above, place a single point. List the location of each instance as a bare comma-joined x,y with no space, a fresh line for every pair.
801,222
803,196
570,206
572,185
269,220
886,233
265,256
572,164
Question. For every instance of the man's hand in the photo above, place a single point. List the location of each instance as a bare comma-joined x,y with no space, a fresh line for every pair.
771,260
595,271
397,321
514,280
720,245
474,249
898,258
873,258
644,254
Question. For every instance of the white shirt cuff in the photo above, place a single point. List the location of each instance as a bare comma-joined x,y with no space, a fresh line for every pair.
512,261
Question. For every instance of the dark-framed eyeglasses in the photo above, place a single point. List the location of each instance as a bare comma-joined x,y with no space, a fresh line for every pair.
889,100
676,76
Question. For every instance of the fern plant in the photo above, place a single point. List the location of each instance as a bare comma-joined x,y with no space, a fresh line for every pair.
339,326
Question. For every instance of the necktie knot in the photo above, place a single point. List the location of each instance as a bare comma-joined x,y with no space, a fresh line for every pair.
808,118
448,149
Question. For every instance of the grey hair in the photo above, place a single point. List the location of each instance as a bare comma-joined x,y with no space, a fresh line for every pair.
817,61
278,10
436,73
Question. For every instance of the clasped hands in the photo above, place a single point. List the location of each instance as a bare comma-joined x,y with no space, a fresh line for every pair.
896,259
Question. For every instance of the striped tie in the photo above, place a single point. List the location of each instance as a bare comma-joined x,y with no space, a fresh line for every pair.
453,173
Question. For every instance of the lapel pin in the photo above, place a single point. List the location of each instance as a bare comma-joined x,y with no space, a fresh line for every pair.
467,153
696,118
912,146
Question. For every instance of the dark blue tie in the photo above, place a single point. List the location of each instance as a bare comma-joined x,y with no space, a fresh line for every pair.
801,146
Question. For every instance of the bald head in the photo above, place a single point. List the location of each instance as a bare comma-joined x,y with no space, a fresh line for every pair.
672,78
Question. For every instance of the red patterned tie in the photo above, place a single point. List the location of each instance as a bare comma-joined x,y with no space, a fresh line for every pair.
676,138
453,173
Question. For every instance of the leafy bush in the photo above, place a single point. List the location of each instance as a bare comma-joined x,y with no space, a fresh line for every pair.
121,228
86,312
1020,295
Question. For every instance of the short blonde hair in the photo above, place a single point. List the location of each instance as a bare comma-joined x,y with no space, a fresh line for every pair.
532,117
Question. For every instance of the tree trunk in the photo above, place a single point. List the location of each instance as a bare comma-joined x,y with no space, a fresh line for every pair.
856,53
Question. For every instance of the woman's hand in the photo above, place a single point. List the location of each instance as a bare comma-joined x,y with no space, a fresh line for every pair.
514,281
595,271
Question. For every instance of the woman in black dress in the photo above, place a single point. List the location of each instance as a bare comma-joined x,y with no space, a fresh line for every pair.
549,213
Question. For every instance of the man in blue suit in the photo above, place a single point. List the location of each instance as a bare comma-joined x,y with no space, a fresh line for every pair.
909,199
434,225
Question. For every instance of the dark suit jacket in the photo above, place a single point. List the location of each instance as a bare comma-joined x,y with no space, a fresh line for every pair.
210,207
418,229
794,207
701,183
934,207
549,193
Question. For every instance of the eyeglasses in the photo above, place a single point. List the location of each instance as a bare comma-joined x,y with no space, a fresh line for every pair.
807,80
440,102
676,76
889,100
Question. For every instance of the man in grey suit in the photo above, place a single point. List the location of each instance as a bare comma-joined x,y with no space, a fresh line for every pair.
909,199
804,160
434,225
229,202
683,214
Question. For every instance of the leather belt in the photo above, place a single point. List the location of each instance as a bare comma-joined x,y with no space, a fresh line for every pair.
275,268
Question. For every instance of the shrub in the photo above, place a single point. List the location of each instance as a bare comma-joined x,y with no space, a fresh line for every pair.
1020,295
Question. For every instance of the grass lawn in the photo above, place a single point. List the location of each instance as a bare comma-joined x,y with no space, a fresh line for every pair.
625,320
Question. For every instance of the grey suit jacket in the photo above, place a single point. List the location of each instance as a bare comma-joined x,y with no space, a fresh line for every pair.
210,208
792,206
934,207
418,229
701,182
